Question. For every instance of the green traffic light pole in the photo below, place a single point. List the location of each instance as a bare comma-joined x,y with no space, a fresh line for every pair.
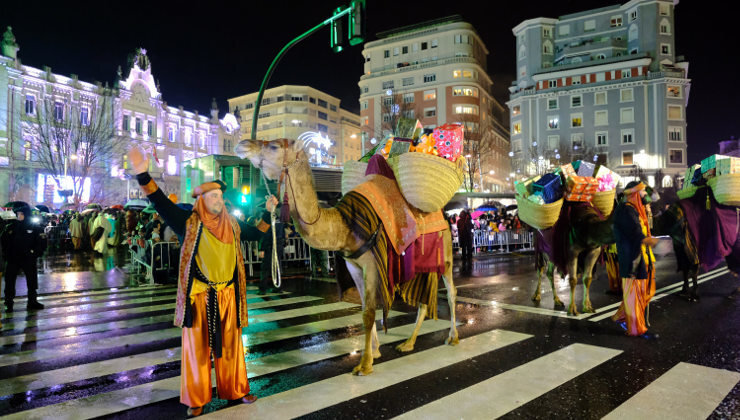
280,55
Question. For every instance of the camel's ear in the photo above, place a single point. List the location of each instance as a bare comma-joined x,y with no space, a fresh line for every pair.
296,145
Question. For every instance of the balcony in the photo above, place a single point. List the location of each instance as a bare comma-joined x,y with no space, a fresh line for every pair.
577,48
416,65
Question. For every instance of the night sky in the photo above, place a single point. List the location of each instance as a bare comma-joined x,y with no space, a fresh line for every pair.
199,51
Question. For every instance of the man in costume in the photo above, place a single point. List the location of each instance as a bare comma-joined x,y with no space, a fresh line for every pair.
636,260
211,294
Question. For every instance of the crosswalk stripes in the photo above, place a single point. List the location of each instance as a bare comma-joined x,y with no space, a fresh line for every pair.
505,392
686,391
289,319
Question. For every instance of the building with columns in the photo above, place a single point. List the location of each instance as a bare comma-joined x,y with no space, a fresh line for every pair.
435,72
606,83
132,111
302,112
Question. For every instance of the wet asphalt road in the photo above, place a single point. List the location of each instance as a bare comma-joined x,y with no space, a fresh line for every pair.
110,350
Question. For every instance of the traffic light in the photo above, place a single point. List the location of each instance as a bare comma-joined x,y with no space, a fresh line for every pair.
244,197
337,33
356,32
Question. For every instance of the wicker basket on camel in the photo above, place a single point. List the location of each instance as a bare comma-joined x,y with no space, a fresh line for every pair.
726,189
426,181
539,216
353,175
604,201
688,191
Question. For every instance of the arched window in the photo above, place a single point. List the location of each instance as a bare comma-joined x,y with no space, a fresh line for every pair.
667,181
665,27
547,47
632,36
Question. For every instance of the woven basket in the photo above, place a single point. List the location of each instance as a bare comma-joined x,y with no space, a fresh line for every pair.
688,191
353,175
726,189
426,181
539,216
604,201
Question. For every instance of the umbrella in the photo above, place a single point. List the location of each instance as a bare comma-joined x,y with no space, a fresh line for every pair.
117,207
149,209
94,206
16,204
476,214
86,211
43,208
486,208
136,204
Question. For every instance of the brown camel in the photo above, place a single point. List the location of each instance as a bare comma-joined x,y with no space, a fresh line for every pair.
325,229
584,232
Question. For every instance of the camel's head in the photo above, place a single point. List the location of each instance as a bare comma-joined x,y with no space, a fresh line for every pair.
269,156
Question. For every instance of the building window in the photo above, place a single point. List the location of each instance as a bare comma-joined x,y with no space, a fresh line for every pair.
516,110
430,95
27,150
625,74
517,128
407,81
465,91
675,156
553,142
430,78
675,133
575,101
576,141
602,138
386,53
126,124
188,138
552,84
387,100
363,105
564,30
424,46
388,84
547,47
600,98
332,108
674,91
626,115
602,158
628,136
138,126
430,112
466,109
322,103
58,111
30,105
664,9
395,51
601,118
628,158
575,80
576,120
171,134
665,27
84,116
552,103
322,115
405,49
150,128
665,49
633,15
589,25
415,47
675,112
546,32
626,95
616,21
408,98
553,122
435,43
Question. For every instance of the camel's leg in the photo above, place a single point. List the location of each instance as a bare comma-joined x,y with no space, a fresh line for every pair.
695,287
588,269
408,345
557,303
573,280
365,275
536,297
685,288
452,338
376,342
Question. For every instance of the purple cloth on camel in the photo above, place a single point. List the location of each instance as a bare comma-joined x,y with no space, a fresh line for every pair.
715,231
378,165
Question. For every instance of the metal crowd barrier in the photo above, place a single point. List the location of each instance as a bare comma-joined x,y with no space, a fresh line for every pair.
295,250
507,241
146,260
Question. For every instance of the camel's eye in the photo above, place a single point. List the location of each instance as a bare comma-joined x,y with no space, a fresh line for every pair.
274,147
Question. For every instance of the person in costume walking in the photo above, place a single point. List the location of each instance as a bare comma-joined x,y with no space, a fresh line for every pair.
636,260
211,304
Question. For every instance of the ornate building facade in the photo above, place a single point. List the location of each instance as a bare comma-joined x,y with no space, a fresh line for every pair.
132,111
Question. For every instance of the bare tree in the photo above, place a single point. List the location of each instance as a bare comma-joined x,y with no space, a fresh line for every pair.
74,141
477,149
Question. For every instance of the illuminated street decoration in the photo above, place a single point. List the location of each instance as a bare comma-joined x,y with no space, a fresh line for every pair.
316,154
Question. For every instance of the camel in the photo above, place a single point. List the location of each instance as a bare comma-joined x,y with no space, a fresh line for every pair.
584,232
325,229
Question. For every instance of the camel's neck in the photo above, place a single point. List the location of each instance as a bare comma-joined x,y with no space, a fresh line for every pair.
322,228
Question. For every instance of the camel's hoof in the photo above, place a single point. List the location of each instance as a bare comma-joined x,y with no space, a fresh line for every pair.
376,354
405,347
452,341
588,309
573,311
536,298
559,304
359,370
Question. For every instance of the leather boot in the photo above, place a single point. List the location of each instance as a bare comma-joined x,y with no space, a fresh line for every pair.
8,306
34,305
